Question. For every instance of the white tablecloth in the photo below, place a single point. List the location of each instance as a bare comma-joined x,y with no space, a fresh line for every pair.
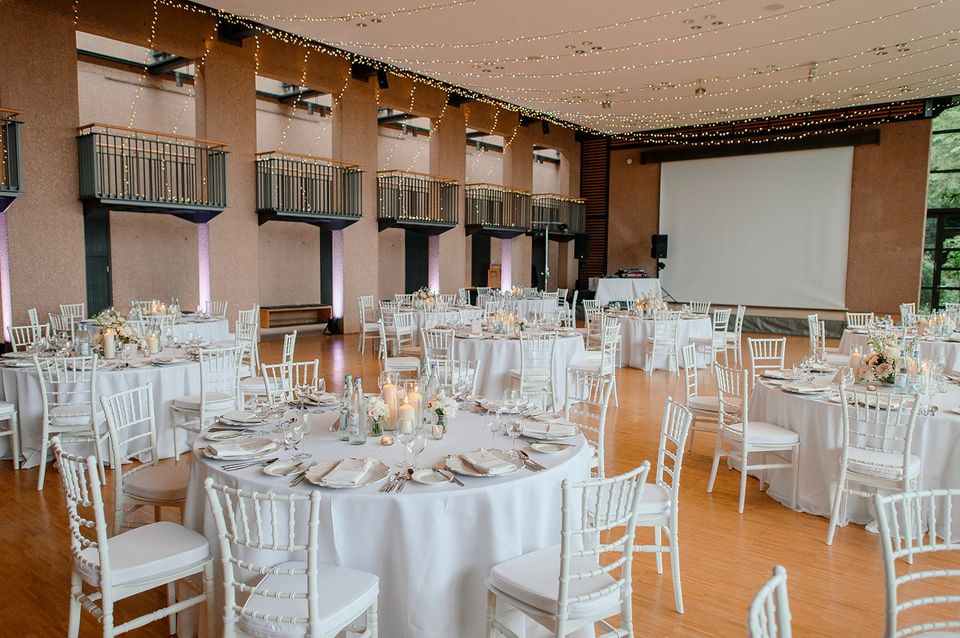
432,547
634,332
212,330
936,440
614,289
931,349
497,356
526,308
21,386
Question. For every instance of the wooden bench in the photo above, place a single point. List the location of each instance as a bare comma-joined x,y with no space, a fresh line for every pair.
294,315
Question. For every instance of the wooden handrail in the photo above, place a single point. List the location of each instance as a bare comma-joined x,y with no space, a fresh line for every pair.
309,157
438,178
566,198
498,187
138,131
11,112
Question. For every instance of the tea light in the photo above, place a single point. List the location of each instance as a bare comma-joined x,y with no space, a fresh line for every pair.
437,432
871,387
386,439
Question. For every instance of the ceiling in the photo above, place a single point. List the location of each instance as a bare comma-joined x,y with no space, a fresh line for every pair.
631,65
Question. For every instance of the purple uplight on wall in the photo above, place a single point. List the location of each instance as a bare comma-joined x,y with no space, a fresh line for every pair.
203,262
506,264
336,273
433,264
5,306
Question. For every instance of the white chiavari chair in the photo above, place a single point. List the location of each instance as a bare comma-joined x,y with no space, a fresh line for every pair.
291,596
140,305
282,380
571,586
76,310
902,519
562,298
831,356
68,390
704,408
219,392
717,341
132,429
253,388
491,308
604,361
739,437
588,396
529,292
63,325
33,317
665,340
368,325
570,320
534,377
877,448
216,309
483,290
463,297
403,298
142,559
400,364
659,506
594,321
908,313
469,315
446,299
403,338
735,338
859,319
769,615
436,345
249,316
247,336
699,307
24,337
766,354
456,376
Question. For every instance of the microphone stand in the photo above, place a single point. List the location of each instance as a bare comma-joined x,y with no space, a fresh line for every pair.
661,266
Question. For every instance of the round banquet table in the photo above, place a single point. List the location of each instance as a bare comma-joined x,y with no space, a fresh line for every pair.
526,308
212,330
431,546
634,332
498,355
936,440
932,349
170,382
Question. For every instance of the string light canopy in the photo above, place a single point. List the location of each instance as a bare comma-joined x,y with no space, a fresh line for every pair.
625,69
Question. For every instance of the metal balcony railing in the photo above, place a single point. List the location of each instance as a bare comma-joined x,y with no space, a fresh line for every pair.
550,207
497,210
417,200
11,178
299,187
130,169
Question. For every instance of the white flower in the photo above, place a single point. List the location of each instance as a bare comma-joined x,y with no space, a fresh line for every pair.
377,409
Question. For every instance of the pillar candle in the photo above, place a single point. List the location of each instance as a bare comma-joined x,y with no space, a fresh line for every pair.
415,399
406,418
109,344
389,393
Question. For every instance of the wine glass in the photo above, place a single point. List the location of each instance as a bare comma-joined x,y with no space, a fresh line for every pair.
494,424
416,445
406,438
514,429
293,434
511,396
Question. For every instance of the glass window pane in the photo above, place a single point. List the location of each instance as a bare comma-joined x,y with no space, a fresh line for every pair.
949,296
945,151
925,300
949,279
930,236
943,190
926,269
948,119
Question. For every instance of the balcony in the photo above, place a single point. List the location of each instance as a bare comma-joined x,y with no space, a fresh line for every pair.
497,211
416,201
566,216
129,169
303,188
11,178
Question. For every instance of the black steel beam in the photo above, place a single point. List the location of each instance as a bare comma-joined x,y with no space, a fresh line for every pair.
233,33
395,117
168,64
362,71
455,99
473,134
299,95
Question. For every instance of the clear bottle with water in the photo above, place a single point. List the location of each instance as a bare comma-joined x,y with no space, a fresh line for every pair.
358,415
345,396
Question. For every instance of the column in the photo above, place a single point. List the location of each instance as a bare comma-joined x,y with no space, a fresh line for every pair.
448,158
518,173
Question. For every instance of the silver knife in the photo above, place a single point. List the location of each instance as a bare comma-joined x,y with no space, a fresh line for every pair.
450,476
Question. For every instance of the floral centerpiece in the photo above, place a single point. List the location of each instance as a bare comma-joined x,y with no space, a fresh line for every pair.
424,294
377,413
880,366
649,302
124,334
441,408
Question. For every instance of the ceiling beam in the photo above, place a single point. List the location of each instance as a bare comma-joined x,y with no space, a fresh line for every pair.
168,64
472,134
455,99
233,33
362,72
395,117
302,94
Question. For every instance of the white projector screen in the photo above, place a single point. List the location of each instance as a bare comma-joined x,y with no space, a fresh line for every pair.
760,230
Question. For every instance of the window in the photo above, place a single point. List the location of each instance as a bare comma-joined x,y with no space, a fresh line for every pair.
940,278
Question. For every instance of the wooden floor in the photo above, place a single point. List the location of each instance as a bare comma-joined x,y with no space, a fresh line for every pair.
725,556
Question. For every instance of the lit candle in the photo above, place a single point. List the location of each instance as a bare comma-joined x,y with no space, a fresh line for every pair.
912,367
389,393
415,399
407,414
855,359
109,344
153,343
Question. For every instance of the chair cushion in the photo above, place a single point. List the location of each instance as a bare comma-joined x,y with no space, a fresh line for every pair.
763,433
343,595
253,385
371,326
654,501
541,374
65,415
403,363
146,552
215,401
534,579
159,482
863,462
706,404
7,408
703,341
590,365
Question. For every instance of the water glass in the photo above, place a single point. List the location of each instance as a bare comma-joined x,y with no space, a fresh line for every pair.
495,424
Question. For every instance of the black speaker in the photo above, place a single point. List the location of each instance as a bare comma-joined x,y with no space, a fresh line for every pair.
658,248
581,247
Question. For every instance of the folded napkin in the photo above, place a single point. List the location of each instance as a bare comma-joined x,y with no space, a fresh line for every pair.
493,406
554,428
234,448
348,472
242,416
487,463
779,374
805,388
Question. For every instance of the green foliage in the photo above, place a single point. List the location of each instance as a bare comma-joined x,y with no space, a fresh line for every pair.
943,189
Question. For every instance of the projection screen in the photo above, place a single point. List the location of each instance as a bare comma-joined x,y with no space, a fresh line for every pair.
761,230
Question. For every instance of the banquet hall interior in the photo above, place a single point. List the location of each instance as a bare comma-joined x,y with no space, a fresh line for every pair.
421,319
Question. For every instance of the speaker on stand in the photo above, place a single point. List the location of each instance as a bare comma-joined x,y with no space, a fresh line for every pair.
581,246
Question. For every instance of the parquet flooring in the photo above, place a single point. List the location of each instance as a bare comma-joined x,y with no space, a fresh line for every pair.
725,556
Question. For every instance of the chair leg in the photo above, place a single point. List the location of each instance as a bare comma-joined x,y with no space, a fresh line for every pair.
491,614
372,620
716,464
209,591
616,399
43,461
743,480
98,453
171,600
796,476
176,445
76,587
15,440
659,546
675,565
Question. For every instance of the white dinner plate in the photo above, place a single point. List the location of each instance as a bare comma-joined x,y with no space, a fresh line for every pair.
246,417
18,363
546,436
456,464
18,355
282,468
169,361
271,449
429,476
377,472
805,389
550,448
226,435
